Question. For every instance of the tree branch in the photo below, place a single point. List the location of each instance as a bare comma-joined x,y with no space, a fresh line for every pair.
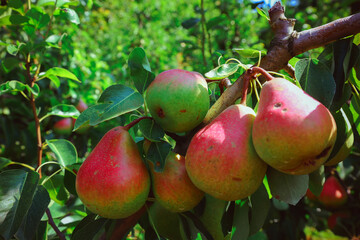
53,225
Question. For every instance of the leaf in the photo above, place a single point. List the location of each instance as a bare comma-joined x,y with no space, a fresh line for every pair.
288,188
16,86
157,154
10,63
316,181
4,162
228,218
59,72
63,110
198,224
71,15
37,18
260,205
116,100
222,71
70,178
15,4
41,232
151,130
215,21
18,19
17,189
316,79
88,228
249,53
262,13
241,226
189,23
57,191
31,222
12,49
59,3
140,71
64,150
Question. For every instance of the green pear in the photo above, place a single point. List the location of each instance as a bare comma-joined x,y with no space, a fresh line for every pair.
178,100
173,188
344,140
164,222
113,181
292,132
221,159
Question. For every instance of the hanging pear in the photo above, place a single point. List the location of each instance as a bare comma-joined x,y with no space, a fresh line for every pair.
292,132
113,181
221,159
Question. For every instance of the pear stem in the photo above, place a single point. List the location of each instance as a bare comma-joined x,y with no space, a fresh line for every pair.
259,70
133,123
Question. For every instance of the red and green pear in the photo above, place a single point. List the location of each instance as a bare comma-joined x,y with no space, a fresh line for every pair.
82,129
221,159
333,194
292,132
113,181
173,188
63,126
81,106
339,154
178,100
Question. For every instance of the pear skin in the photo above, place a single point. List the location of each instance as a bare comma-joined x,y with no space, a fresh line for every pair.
173,188
113,181
178,100
221,159
292,132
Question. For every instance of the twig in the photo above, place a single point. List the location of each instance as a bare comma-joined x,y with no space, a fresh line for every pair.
53,225
290,70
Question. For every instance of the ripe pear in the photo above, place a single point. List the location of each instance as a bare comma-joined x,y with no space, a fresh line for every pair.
344,140
113,181
178,100
292,132
333,194
63,126
173,188
221,159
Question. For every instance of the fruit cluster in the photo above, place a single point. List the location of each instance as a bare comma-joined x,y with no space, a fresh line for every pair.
227,159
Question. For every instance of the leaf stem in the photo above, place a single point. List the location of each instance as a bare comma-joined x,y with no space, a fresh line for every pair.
23,164
133,123
53,225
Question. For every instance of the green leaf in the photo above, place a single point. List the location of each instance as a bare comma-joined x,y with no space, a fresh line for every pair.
140,70
18,19
198,224
249,53
280,205
151,130
70,178
12,49
37,18
31,222
4,162
64,150
59,72
5,20
157,154
15,4
262,13
88,227
285,187
241,227
41,232
17,189
316,79
71,15
16,86
316,181
59,3
116,100
260,205
222,71
57,191
215,21
189,23
55,80
63,110
10,63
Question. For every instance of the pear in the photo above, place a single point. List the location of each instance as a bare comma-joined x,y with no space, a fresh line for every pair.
113,181
344,140
63,126
178,100
292,132
173,188
221,159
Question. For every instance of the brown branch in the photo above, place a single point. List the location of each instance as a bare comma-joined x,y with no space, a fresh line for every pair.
290,70
53,225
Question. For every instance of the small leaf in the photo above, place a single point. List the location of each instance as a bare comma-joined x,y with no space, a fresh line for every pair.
64,150
316,181
191,22
31,222
222,71
64,110
260,205
151,130
285,187
4,162
140,71
198,224
215,21
57,191
91,115
70,178
241,227
17,189
249,53
60,72
16,86
316,79
71,15
88,228
262,13
10,63
12,49
59,3
18,19
157,154
15,4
